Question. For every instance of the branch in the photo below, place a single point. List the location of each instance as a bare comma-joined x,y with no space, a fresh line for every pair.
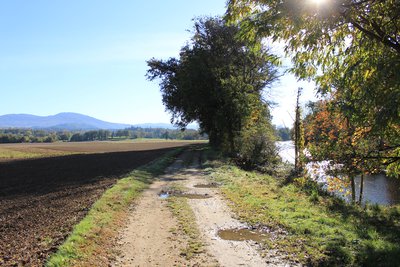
372,35
357,3
396,158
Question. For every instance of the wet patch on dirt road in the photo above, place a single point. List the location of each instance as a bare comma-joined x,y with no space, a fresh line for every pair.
208,185
243,234
176,193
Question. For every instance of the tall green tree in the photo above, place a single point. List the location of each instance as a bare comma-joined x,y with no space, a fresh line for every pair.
218,81
350,48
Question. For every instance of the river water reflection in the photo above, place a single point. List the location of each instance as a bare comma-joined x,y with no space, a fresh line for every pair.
378,189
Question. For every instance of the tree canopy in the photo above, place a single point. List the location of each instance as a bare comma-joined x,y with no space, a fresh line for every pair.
350,48
218,81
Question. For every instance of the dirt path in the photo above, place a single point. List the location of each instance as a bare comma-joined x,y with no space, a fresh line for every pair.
42,199
150,239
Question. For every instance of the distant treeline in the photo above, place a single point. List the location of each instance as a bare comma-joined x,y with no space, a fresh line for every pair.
284,133
48,136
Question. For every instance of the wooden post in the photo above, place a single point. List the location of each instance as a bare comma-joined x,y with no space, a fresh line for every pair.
353,189
361,188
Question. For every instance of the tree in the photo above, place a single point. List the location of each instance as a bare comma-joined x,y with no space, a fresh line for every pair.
65,136
77,137
165,135
122,133
283,133
350,48
217,81
331,136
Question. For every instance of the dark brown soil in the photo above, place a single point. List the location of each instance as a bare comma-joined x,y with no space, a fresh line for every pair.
42,199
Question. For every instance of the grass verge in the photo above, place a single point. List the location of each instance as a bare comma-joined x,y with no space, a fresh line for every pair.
321,230
91,240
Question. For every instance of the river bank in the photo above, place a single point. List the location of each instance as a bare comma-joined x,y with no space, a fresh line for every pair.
377,189
309,226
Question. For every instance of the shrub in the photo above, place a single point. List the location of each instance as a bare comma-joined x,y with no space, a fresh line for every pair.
256,148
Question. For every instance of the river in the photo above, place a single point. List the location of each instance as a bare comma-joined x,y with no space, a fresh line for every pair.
378,189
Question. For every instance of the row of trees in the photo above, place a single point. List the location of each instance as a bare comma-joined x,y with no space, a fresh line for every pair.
351,49
40,136
15,135
219,81
137,132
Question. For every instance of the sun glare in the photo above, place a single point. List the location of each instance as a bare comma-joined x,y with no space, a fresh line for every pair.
318,2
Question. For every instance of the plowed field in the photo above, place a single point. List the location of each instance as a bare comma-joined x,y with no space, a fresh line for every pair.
41,199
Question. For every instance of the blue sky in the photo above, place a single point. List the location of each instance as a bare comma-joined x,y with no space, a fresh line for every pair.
89,56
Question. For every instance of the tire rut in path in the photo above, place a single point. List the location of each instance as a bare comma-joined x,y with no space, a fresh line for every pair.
213,214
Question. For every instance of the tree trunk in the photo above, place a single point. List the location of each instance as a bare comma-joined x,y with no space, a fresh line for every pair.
296,158
353,189
361,189
298,136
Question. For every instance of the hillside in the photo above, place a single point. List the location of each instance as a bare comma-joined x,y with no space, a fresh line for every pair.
66,120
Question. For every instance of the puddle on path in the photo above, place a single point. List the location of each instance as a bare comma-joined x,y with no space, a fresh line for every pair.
166,194
163,195
210,185
243,234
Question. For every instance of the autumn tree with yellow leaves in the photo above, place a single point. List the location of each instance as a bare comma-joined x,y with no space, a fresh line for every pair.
330,135
351,50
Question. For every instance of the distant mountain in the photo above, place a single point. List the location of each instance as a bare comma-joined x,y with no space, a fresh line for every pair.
61,121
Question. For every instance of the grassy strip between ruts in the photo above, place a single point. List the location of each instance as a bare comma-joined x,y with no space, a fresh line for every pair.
322,230
187,224
90,243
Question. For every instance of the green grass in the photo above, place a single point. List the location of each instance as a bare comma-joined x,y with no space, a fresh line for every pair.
13,154
10,154
322,230
90,242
